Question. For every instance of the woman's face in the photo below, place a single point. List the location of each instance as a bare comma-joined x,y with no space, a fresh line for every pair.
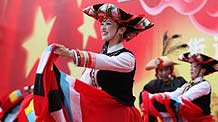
195,70
165,72
108,29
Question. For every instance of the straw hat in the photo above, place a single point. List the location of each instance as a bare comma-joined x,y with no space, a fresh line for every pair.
159,62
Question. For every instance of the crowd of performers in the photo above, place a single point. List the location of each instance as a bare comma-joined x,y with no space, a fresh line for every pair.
104,93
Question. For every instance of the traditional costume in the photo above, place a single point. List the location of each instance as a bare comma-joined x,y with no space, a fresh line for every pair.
161,85
189,103
158,85
59,97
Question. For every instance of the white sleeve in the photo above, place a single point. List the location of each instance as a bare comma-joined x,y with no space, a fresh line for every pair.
85,77
124,62
197,91
178,92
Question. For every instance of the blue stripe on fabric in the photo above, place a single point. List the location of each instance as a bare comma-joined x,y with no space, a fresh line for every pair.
49,48
65,88
31,116
176,99
12,114
18,92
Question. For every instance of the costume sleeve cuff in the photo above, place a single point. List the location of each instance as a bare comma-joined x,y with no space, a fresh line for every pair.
84,59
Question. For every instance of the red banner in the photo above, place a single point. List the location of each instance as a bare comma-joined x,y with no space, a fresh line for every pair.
27,27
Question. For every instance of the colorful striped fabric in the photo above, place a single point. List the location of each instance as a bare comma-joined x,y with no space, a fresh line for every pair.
84,58
47,96
177,109
27,113
9,105
61,98
15,95
12,115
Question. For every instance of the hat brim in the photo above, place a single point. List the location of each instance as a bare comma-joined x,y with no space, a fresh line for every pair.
134,24
207,62
159,62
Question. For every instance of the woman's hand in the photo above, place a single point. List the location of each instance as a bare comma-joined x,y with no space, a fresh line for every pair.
63,51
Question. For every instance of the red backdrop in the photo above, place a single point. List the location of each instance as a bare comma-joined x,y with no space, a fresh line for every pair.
28,26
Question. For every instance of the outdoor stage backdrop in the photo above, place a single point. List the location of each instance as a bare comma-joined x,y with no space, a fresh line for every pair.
27,27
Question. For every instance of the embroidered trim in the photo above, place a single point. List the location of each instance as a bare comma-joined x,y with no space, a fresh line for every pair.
191,84
93,78
84,59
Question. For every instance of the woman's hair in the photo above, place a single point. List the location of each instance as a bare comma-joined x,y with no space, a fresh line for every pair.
129,29
171,68
104,48
208,68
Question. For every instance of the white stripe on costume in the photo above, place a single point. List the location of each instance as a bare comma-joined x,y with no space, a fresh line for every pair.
44,59
58,116
74,100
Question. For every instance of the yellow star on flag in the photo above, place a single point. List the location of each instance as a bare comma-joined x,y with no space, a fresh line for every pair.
75,71
79,2
87,29
36,44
